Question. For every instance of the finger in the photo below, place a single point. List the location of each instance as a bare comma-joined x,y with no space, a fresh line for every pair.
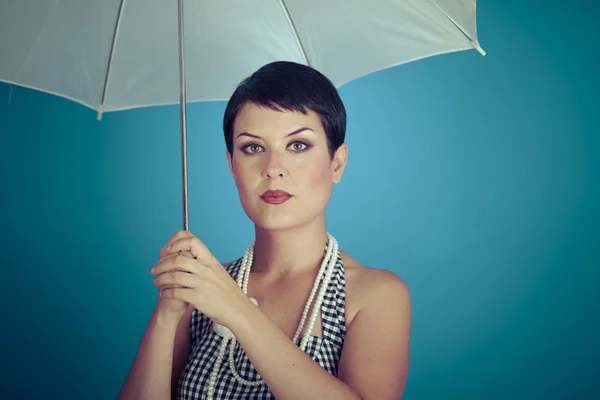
167,287
165,254
177,262
177,235
193,245
183,294
196,247
179,278
185,244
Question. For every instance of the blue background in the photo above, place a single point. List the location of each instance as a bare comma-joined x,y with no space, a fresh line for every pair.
473,178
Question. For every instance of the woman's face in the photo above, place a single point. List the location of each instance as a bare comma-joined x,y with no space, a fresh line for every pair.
283,151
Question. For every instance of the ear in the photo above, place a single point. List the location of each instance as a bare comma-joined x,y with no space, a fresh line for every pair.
230,163
340,158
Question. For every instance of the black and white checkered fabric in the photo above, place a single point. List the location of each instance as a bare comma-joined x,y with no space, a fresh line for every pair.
326,351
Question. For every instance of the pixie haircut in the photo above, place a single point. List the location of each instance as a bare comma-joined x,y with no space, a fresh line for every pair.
289,86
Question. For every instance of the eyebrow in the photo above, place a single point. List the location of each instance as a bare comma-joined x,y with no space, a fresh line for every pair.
297,131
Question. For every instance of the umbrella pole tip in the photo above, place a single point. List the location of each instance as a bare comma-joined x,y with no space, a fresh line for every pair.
477,47
100,112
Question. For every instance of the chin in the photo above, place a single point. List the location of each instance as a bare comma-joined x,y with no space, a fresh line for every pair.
275,223
281,217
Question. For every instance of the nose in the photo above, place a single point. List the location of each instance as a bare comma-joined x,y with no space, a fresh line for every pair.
274,168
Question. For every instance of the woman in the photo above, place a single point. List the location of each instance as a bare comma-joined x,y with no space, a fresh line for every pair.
325,326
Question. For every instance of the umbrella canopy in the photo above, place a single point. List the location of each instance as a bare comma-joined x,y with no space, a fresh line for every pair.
114,55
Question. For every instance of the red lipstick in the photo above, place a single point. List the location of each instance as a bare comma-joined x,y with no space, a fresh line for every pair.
275,196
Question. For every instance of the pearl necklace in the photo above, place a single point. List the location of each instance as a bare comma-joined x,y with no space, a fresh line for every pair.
325,273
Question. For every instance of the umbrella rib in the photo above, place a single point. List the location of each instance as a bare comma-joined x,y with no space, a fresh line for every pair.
474,42
110,58
293,26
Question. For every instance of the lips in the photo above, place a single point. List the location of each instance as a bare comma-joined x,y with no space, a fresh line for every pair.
275,196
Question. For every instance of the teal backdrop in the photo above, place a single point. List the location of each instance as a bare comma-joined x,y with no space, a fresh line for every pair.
487,197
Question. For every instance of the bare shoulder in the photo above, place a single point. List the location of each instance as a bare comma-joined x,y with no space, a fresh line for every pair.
367,286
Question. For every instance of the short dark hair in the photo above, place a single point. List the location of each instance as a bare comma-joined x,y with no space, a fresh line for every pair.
284,85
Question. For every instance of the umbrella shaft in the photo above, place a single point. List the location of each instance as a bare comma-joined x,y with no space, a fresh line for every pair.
182,113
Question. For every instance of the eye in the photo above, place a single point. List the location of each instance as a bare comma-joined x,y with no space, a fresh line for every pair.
252,148
299,146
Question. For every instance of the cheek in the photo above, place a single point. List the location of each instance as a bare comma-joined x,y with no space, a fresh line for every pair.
247,177
320,177
237,173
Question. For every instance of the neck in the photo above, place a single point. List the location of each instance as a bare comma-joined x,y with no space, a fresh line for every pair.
287,252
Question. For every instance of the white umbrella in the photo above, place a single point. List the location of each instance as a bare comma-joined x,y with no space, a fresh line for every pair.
112,55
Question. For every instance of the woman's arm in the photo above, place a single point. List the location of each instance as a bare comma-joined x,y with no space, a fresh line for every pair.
374,361
376,349
160,358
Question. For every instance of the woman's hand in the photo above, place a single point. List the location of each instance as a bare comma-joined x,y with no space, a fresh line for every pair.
198,279
172,307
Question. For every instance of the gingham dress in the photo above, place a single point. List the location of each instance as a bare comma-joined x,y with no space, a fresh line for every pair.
326,351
